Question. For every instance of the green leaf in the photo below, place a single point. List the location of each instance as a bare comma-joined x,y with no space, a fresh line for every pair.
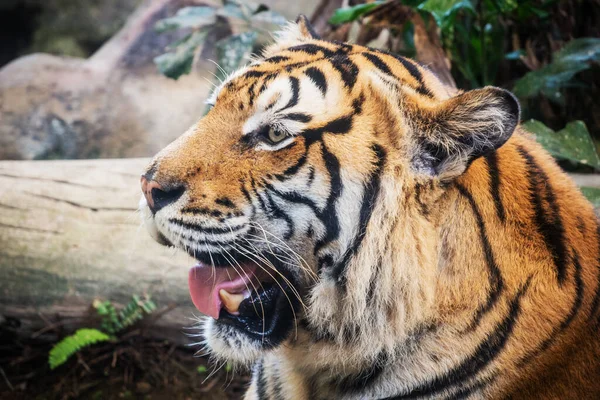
234,51
572,143
570,60
178,62
548,80
347,14
70,345
444,10
505,6
592,194
188,17
579,50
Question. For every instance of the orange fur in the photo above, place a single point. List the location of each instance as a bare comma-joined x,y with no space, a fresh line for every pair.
432,242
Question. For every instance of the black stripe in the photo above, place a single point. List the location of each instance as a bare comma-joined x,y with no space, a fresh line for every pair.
378,63
203,229
311,176
358,103
291,67
296,197
491,159
276,59
246,194
347,69
486,352
295,93
225,202
265,82
339,126
494,275
277,212
344,48
311,49
466,391
261,202
300,117
296,167
253,74
596,300
202,211
548,221
251,94
277,387
557,330
332,224
412,69
369,199
261,384
208,242
318,78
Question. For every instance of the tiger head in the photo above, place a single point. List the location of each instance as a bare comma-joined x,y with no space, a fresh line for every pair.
292,192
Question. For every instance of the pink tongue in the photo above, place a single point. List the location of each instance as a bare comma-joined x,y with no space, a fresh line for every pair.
205,282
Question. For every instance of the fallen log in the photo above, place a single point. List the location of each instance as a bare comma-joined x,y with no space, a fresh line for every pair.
70,233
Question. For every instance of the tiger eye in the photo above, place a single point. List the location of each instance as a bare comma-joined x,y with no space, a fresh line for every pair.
276,136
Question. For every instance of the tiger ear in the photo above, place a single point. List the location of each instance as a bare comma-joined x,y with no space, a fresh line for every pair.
293,34
450,136
306,30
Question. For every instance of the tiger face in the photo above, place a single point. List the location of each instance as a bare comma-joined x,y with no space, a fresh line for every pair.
288,189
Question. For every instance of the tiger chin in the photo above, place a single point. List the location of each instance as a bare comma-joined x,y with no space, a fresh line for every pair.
362,231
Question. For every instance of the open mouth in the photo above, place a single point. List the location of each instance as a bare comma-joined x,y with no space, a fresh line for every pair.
258,299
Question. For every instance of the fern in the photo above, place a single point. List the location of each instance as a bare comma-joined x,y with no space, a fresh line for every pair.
70,345
113,322
110,320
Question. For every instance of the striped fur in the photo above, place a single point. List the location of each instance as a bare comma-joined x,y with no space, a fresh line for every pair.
453,258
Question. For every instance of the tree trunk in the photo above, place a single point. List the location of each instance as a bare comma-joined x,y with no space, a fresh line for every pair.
70,233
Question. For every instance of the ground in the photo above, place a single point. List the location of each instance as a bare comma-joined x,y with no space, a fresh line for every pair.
133,367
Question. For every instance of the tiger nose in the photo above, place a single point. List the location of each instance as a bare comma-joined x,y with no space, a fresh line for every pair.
158,197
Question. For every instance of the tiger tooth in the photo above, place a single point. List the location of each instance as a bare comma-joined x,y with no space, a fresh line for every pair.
231,301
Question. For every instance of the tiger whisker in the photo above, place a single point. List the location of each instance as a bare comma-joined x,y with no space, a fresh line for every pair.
279,284
214,372
271,266
304,265
246,284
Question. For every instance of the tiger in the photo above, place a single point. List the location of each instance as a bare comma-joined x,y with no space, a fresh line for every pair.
363,231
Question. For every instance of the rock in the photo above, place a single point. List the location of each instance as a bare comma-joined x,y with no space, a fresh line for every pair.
114,104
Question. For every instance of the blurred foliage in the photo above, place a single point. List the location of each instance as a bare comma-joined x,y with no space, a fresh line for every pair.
573,143
574,57
135,310
497,42
522,45
249,24
592,194
112,322
77,28
347,14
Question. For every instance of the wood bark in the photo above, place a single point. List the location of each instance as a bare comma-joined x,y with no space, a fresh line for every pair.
70,233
